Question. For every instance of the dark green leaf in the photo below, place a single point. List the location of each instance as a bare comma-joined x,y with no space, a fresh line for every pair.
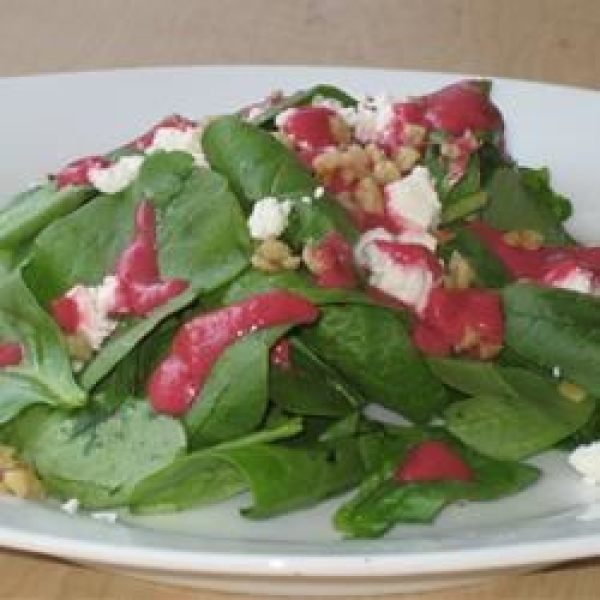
29,212
202,477
514,205
371,348
233,400
383,502
311,387
101,463
555,328
44,376
513,413
301,98
257,166
285,479
254,282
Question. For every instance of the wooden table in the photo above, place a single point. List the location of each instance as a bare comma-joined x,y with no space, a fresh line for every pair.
552,40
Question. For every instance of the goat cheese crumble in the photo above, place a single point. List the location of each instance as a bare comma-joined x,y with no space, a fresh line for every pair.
116,177
410,284
412,202
94,303
370,117
585,460
71,506
269,218
576,280
171,139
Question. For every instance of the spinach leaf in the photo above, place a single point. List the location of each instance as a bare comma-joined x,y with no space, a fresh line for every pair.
513,413
254,162
257,165
347,426
128,337
284,479
466,196
311,386
254,282
555,327
202,234
44,375
370,347
202,238
233,400
383,502
202,477
537,181
515,204
322,91
29,212
99,458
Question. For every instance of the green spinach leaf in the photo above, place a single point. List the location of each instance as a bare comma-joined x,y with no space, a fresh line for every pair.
515,204
233,400
202,477
513,413
29,212
554,327
44,375
323,91
257,165
370,347
311,386
99,458
382,502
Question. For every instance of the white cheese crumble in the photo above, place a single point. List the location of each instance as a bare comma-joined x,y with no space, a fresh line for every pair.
370,118
319,192
585,460
107,517
94,303
269,218
116,177
576,280
171,139
413,201
70,506
364,246
254,113
283,116
411,284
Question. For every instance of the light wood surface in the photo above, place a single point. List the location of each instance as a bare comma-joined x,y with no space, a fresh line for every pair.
552,40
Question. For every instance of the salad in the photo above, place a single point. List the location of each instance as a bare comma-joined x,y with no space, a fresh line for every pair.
215,307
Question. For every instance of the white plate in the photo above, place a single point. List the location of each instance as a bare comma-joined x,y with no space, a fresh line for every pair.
48,120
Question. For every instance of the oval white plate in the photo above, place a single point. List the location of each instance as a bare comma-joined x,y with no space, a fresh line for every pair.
46,121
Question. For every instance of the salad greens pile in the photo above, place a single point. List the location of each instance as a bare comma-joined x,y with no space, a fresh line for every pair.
290,432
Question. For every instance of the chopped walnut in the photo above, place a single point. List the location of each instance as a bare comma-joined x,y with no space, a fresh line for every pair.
460,273
414,135
471,342
386,171
18,478
528,239
78,347
571,391
273,255
340,130
369,196
406,158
